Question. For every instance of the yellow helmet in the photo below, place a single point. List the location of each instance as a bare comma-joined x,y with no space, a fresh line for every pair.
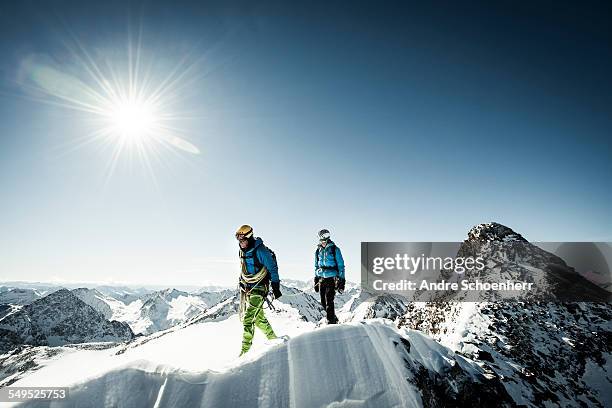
245,231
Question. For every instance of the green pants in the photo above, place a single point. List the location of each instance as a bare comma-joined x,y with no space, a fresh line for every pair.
254,316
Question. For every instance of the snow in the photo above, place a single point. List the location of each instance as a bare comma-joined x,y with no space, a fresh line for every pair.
157,311
214,346
568,341
184,307
354,364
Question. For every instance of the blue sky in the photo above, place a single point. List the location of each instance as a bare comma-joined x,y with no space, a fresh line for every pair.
401,122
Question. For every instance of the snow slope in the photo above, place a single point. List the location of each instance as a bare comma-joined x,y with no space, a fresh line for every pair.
97,300
368,364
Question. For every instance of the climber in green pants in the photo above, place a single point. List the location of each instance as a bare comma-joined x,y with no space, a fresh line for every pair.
259,270
254,316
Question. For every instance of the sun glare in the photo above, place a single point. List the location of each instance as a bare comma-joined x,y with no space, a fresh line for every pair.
130,105
133,120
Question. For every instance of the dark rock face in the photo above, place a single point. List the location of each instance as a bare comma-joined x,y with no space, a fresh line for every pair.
493,232
57,319
453,382
545,352
509,256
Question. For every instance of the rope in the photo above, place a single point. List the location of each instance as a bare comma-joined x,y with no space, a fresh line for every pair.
256,278
244,296
248,279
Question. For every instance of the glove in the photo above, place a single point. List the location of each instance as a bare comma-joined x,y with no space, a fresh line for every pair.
276,290
316,284
340,285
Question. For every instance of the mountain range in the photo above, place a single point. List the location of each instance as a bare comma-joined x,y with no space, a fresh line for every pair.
181,348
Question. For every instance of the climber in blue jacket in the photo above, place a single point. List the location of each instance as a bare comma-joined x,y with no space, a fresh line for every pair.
329,273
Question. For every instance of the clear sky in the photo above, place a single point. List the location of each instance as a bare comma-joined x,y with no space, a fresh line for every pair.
380,122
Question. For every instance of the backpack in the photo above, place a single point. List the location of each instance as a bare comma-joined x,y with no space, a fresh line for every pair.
256,262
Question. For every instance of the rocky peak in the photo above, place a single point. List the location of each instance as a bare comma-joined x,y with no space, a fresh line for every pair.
56,319
172,293
94,292
95,299
62,296
493,231
509,256
164,296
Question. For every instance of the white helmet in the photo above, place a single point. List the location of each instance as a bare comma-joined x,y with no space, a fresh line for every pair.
324,235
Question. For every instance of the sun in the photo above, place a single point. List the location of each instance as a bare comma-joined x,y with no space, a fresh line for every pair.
133,120
129,104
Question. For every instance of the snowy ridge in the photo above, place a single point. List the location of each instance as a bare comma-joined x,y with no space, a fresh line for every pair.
95,299
368,364
166,308
41,289
121,293
211,298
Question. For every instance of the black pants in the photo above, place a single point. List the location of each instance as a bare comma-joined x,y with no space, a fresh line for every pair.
327,290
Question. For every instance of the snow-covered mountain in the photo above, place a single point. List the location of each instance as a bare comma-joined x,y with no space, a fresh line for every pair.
18,296
95,299
56,319
122,293
304,286
212,298
509,256
307,287
162,309
308,307
148,312
42,289
143,310
554,353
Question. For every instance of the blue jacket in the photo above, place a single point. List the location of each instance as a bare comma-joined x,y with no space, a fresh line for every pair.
264,257
325,267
